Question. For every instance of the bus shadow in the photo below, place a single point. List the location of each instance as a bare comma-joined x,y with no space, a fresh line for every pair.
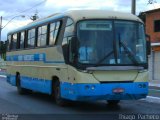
94,106
77,106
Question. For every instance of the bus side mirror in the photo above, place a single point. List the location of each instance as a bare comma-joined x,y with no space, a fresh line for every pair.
148,44
72,49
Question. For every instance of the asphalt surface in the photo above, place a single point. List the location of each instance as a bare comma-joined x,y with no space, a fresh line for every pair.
41,106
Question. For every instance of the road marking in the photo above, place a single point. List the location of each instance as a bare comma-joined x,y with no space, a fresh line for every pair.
4,76
152,99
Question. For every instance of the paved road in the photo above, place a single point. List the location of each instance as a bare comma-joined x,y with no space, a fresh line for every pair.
13,103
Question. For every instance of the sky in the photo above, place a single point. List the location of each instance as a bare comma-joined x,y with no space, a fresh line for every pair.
13,10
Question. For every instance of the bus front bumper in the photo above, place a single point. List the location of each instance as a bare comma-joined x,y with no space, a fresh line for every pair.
105,91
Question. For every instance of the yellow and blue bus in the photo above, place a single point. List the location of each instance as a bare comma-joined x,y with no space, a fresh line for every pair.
80,55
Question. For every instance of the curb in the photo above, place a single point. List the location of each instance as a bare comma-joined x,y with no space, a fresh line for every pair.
154,86
4,76
152,99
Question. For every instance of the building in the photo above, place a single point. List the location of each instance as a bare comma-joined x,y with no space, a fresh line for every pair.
152,23
154,62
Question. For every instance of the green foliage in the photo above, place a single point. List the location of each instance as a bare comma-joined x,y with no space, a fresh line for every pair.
3,49
142,16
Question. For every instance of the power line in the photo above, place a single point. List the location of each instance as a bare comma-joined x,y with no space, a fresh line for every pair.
152,1
26,10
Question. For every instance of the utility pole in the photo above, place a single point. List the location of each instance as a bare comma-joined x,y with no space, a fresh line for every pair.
1,27
133,9
0,33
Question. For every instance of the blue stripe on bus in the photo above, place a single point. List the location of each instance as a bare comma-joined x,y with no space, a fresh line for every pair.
92,92
31,57
11,79
35,84
86,92
54,62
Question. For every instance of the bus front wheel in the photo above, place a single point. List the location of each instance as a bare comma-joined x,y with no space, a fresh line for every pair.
57,94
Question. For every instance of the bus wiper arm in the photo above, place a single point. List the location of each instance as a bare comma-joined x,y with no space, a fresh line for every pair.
106,56
131,55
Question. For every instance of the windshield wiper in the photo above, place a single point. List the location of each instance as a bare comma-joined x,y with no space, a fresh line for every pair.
106,56
130,53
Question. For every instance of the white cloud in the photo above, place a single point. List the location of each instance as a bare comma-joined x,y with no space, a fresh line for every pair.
2,13
53,6
66,3
86,4
154,6
12,25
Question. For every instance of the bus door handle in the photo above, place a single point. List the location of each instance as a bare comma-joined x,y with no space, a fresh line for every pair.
58,69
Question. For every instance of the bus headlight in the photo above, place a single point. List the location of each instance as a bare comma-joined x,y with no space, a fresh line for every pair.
92,87
87,87
142,85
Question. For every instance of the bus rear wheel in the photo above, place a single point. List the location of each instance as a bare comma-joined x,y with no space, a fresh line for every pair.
57,94
113,102
18,83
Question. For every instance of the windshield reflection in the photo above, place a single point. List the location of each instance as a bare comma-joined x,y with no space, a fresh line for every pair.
101,43
131,34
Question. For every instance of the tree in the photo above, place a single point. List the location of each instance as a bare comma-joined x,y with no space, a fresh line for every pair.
3,49
142,16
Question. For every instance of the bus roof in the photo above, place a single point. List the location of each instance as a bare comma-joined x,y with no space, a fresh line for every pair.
77,15
100,14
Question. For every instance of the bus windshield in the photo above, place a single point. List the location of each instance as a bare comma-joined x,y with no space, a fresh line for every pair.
108,42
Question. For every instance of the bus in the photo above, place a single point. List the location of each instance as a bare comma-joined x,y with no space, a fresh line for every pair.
80,55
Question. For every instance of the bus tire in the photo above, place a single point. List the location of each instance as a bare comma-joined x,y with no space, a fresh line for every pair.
113,102
18,83
57,94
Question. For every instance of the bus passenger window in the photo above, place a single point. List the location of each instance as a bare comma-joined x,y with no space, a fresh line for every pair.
55,35
69,22
42,36
22,40
31,38
9,42
54,29
57,25
14,42
69,28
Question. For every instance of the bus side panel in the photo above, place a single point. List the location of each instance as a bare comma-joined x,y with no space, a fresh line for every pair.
35,84
36,68
11,79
